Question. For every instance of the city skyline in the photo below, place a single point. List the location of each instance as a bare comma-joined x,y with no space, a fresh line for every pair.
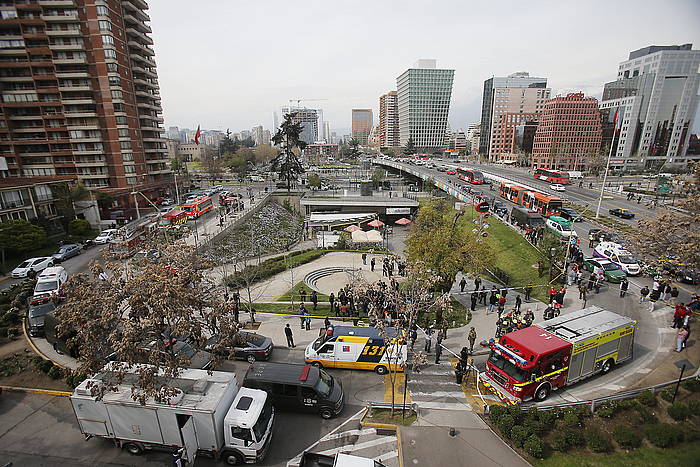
587,53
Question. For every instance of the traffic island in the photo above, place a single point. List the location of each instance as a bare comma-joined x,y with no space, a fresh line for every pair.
381,417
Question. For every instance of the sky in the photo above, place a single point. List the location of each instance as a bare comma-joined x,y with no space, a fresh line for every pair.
231,63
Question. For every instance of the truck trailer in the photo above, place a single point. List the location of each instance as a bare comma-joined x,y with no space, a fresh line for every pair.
210,414
530,363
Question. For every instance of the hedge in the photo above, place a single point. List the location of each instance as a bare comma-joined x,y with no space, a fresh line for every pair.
626,437
664,435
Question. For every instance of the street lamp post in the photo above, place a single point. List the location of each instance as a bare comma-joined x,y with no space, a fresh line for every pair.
136,202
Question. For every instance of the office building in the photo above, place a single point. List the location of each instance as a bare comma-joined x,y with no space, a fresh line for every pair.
516,93
257,134
327,135
656,96
473,137
267,137
568,134
362,122
308,118
389,120
80,96
424,93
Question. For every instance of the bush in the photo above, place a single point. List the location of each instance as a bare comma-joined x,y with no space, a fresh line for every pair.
55,372
534,446
647,398
43,366
505,424
646,417
560,442
607,410
519,434
496,412
535,427
667,395
79,227
626,437
693,407
664,435
74,378
597,442
547,417
678,411
517,414
574,437
692,385
572,420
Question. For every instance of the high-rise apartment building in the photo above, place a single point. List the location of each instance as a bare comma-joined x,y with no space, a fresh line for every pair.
656,95
514,94
309,122
424,93
568,134
80,95
362,122
389,120
473,137
257,134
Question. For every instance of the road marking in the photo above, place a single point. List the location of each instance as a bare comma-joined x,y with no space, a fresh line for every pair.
386,456
362,432
444,405
398,387
613,387
48,392
357,446
438,394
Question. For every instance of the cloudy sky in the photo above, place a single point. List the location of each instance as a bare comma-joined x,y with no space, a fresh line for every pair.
231,63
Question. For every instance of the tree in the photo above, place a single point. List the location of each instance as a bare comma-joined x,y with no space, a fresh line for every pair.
228,145
388,152
135,318
674,234
265,153
410,148
314,181
378,177
212,165
445,246
287,164
20,236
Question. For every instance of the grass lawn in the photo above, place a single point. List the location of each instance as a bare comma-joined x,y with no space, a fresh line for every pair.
294,291
682,454
384,416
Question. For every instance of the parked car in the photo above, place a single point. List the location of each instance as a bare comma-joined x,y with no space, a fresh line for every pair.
32,266
253,347
65,252
50,280
619,256
451,172
106,236
167,202
622,213
499,207
557,187
38,309
611,273
571,215
199,359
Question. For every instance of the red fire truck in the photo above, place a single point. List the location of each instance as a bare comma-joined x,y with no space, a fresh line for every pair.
531,363
172,218
198,207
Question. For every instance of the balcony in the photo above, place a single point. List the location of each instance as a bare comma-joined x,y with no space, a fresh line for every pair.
56,3
135,5
7,205
16,79
24,117
81,113
78,46
70,61
64,32
72,74
69,100
139,23
139,46
74,88
56,18
131,32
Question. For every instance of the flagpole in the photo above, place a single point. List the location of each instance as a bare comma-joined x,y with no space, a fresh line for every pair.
605,176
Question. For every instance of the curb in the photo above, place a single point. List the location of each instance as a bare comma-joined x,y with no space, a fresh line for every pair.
48,392
6,278
35,349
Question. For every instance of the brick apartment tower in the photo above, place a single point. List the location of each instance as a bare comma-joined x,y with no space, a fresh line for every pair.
389,120
568,134
362,122
80,96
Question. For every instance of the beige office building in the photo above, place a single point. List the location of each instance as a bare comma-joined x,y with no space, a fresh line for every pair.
362,122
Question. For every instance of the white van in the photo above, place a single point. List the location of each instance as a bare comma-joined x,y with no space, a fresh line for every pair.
616,254
50,280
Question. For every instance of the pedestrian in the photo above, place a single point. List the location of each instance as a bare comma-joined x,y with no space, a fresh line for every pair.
326,322
314,299
666,291
674,296
371,264
477,282
598,283
624,285
501,304
472,339
444,328
428,339
518,302
475,298
307,320
290,336
680,338
679,316
462,285
482,295
364,259
552,292
582,290
653,298
528,291
177,458
643,294
331,300
493,301
438,351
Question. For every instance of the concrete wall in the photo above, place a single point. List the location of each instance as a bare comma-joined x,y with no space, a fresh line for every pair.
293,198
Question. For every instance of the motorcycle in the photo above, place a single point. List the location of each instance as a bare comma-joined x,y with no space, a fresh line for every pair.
87,244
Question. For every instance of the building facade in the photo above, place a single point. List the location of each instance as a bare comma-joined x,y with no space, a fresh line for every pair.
473,137
362,123
308,118
80,96
515,93
569,133
389,120
656,97
424,94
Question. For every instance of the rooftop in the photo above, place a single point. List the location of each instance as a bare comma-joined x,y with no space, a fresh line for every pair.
657,48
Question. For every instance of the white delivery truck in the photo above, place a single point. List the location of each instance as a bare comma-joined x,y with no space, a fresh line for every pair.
210,414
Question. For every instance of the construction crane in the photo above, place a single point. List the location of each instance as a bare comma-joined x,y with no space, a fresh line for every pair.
299,101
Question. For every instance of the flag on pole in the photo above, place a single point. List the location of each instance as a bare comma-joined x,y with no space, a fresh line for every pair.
199,133
617,121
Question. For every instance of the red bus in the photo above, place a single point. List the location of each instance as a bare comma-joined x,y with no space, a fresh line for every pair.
553,176
470,175
544,204
198,207
174,217
512,192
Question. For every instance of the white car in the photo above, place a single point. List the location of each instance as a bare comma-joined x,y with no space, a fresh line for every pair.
558,187
105,236
32,266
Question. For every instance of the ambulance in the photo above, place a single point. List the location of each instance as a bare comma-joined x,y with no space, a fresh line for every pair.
361,348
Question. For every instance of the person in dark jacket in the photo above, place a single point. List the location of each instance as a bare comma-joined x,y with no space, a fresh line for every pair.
289,335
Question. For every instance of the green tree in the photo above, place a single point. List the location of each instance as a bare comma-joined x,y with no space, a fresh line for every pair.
212,166
378,177
228,145
20,236
443,245
314,181
388,152
410,148
265,153
287,164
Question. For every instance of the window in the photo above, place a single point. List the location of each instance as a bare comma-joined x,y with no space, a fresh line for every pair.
112,67
241,433
8,14
130,169
105,25
110,53
131,180
107,40
125,144
115,81
123,132
102,10
121,120
28,97
12,199
12,44
119,107
43,193
117,94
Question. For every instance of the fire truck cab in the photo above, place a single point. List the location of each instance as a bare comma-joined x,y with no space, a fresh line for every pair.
531,363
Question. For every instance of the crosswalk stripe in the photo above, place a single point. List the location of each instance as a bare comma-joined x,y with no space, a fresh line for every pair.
356,447
365,431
